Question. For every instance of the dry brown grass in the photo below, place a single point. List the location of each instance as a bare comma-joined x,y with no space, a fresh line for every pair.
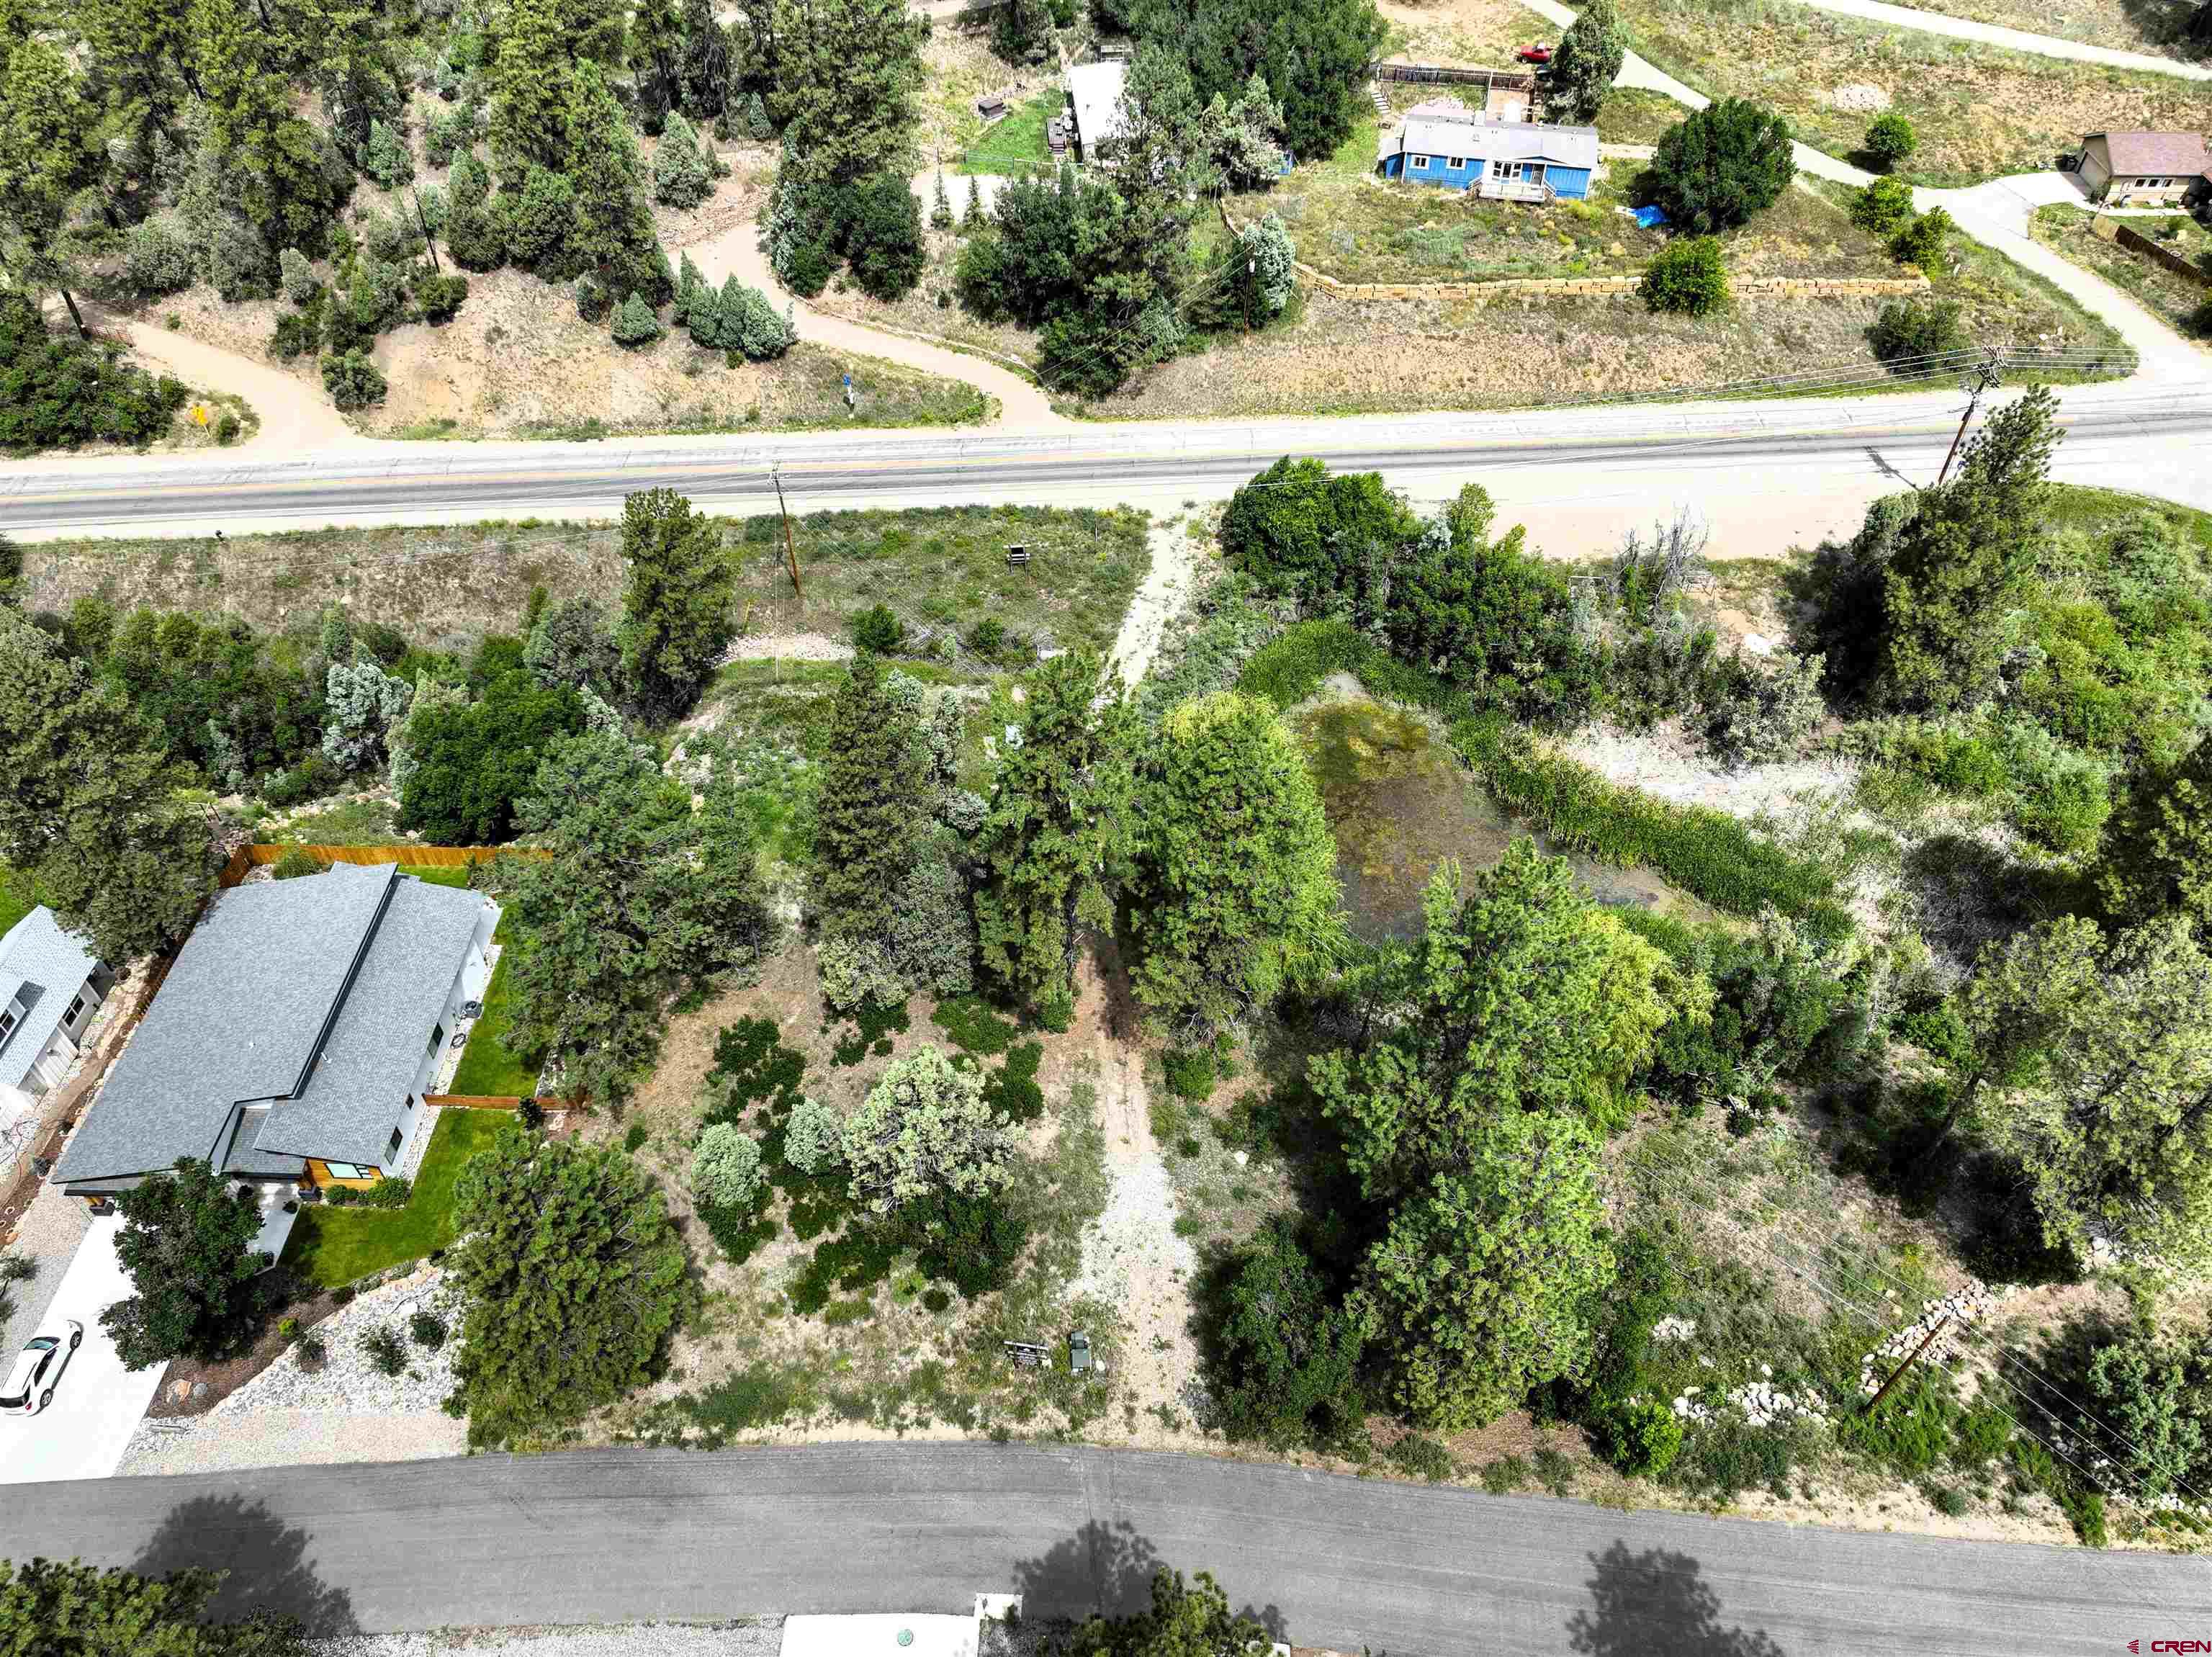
920,312
1980,111
2184,306
1470,33
961,68
2153,25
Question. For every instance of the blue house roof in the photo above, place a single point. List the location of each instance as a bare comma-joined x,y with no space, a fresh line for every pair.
1489,141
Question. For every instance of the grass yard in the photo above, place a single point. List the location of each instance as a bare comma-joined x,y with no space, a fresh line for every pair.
945,568
1980,111
2158,26
1470,33
334,1246
1360,228
19,896
2184,306
1633,115
488,1070
1016,144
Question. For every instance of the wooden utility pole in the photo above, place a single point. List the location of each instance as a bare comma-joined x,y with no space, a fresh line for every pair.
790,553
1990,371
1928,1340
429,241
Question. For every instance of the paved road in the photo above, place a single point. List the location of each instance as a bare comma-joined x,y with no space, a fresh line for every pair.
2041,45
615,1535
1764,475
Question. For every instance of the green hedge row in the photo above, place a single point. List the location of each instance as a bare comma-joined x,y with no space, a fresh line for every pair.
1706,853
1292,668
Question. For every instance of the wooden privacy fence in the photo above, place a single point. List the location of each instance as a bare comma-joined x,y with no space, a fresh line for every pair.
473,1101
411,856
2135,242
1441,75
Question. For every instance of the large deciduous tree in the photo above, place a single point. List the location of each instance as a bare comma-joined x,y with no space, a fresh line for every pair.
676,608
644,897
1520,995
1184,1620
1058,841
572,1279
1481,1287
186,1241
88,803
2101,1058
1236,886
472,761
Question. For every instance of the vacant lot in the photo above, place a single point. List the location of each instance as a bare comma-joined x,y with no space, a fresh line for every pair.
2185,306
2153,25
1980,111
1468,33
446,586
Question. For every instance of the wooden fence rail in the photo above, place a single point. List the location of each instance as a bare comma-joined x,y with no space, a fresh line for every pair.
473,1101
2135,242
412,856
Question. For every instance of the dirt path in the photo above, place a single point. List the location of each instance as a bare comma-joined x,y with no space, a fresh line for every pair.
294,414
1132,1257
1021,404
1166,588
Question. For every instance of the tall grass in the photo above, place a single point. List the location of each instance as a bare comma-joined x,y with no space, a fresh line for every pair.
1706,853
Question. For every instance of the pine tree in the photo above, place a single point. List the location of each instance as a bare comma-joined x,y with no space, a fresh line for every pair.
1061,832
634,323
940,206
704,68
532,90
682,173
872,796
613,230
655,49
48,152
676,609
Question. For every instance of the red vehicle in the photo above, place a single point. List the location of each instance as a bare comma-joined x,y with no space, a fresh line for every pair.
1536,52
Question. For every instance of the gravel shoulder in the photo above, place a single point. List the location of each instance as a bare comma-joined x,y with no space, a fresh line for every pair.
753,1637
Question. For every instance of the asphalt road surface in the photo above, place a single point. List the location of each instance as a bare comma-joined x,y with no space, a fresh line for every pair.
614,1535
1764,475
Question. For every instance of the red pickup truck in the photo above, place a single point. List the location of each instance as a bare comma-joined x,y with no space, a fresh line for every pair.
1536,52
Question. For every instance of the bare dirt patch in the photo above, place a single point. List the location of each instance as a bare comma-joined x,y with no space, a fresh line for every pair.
1468,34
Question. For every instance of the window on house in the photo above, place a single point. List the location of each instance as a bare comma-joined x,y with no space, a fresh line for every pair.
7,1023
1420,163
392,1149
1456,162
76,1010
437,1037
347,1171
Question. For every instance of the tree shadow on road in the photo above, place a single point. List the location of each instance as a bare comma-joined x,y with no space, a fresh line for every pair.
1108,1569
1655,1604
266,1562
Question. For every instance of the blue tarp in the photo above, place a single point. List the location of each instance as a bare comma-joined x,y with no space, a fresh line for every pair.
1650,218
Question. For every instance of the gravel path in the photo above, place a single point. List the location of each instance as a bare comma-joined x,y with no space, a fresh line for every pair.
789,647
51,1228
1165,590
218,1443
1661,764
347,1382
756,1637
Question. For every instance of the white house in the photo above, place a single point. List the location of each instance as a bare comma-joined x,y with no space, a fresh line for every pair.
1095,90
294,1037
51,985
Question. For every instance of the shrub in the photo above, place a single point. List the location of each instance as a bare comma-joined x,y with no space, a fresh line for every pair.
1505,1475
877,629
593,301
1427,1459
427,1329
353,381
295,862
441,296
288,1330
1910,330
634,323
725,1168
63,390
1641,1439
1890,138
1757,713
1883,208
1688,278
310,1353
157,258
813,1137
858,972
1720,164
1190,1072
1013,1089
386,1355
972,1027
384,156
391,1192
1920,241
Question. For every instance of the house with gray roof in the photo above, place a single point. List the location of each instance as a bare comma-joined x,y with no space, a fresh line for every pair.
294,1039
1445,144
50,986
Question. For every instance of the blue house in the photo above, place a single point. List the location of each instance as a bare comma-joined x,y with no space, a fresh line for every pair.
1445,143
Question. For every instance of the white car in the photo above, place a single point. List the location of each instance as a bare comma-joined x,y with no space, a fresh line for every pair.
30,1385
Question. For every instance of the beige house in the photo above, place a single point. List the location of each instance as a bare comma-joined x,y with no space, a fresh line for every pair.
2143,169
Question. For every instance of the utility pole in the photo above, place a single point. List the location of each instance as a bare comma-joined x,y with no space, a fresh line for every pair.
1898,1374
789,552
1252,274
1991,370
429,241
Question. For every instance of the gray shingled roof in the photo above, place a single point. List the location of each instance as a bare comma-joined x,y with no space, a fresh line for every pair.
369,1062
259,992
1494,141
47,966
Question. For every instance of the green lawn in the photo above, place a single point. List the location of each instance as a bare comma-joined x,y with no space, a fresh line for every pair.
488,1070
1017,145
19,896
331,1246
